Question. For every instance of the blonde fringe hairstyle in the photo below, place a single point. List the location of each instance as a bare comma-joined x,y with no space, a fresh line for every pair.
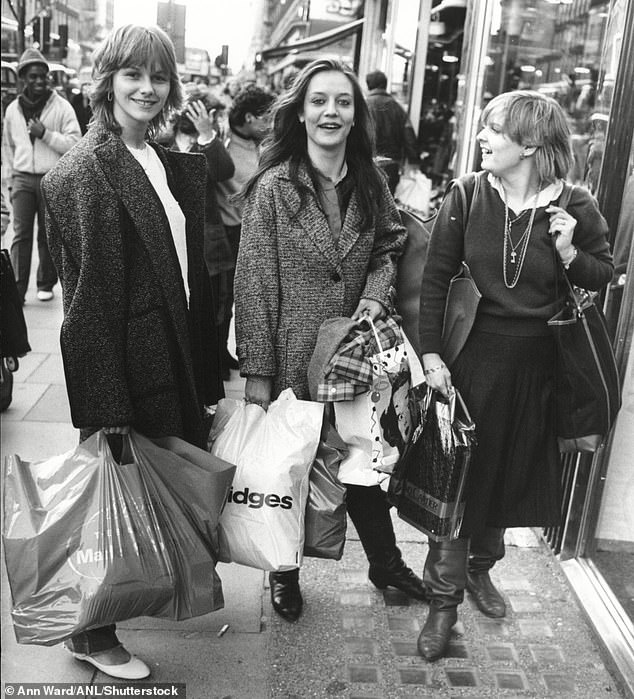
533,119
133,45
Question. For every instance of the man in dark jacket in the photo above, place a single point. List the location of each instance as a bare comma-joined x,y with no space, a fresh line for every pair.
395,137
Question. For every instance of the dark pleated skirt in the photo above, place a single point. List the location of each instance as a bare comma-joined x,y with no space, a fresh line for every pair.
507,383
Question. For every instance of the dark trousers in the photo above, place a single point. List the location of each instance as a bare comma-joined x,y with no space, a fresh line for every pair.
369,511
27,202
94,640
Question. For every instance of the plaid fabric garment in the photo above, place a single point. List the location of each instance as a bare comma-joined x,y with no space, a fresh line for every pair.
349,371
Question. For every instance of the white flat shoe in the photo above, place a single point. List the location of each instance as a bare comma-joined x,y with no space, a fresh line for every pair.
133,669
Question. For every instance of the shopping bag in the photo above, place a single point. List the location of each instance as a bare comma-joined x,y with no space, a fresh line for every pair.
413,192
198,480
588,387
325,518
428,483
461,306
89,542
376,425
262,524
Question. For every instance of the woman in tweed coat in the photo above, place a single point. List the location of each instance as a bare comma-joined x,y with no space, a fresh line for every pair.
125,223
320,239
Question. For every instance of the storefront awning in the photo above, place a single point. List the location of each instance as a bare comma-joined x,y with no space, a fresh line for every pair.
317,41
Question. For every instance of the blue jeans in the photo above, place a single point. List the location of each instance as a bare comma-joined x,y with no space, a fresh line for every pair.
27,202
94,640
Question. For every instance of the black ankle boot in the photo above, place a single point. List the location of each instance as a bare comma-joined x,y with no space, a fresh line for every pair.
487,598
434,638
402,578
286,596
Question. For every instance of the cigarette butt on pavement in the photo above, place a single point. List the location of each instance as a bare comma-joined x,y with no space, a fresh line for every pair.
223,630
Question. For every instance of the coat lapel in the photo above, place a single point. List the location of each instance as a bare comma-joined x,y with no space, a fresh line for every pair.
140,200
351,228
320,234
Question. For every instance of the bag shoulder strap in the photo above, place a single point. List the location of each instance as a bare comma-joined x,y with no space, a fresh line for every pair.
566,194
468,186
563,202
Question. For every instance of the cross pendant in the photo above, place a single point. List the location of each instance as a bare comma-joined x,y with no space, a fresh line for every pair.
513,256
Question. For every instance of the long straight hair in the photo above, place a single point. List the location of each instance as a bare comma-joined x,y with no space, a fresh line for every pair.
133,45
288,140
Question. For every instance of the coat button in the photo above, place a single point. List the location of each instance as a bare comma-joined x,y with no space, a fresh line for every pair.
335,276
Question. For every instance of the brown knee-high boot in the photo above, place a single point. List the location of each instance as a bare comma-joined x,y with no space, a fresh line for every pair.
445,579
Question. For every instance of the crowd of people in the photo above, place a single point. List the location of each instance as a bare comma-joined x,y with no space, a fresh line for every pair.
176,208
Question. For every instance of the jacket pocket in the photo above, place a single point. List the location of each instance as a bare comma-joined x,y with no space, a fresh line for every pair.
149,359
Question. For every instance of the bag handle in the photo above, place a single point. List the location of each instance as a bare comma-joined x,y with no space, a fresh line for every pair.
560,270
466,201
455,397
376,334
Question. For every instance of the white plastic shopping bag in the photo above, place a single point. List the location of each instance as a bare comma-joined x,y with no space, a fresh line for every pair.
413,192
262,524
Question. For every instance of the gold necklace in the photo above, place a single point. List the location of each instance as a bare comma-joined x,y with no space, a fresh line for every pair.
522,243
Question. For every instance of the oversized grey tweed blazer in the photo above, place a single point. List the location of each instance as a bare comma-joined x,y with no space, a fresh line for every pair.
291,276
133,353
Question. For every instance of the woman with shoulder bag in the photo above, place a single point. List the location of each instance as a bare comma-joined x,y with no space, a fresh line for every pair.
320,239
125,222
505,371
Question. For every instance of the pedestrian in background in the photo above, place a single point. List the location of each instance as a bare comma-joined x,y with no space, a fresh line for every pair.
126,220
395,137
81,105
505,372
320,239
249,123
39,127
195,131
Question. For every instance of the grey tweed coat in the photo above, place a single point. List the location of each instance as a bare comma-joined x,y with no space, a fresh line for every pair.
133,353
291,276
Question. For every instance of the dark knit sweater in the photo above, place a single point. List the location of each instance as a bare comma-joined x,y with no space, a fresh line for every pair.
524,309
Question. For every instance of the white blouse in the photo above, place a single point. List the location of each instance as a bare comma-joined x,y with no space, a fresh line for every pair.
153,167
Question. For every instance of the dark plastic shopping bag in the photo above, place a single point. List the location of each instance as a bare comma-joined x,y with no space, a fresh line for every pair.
325,518
428,484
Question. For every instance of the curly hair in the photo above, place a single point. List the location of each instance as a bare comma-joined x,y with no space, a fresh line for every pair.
288,140
534,119
127,46
250,100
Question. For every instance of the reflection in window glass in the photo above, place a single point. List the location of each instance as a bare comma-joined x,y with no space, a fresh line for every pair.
568,50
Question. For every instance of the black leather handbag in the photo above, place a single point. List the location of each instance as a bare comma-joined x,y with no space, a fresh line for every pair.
588,387
427,486
587,379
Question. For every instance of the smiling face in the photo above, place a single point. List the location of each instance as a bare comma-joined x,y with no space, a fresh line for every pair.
35,80
139,95
328,111
500,153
